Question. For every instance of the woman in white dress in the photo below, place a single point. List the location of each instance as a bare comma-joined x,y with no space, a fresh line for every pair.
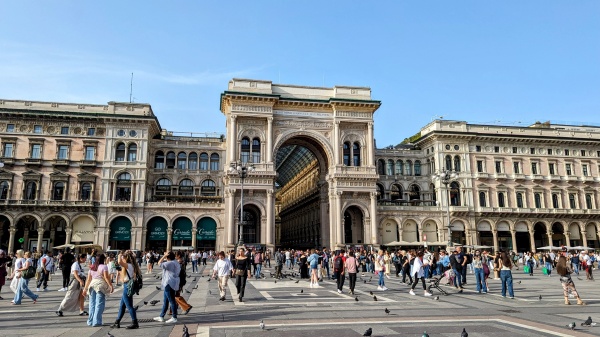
74,298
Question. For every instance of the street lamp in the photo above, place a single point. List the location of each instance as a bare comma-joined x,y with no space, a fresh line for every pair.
241,170
445,177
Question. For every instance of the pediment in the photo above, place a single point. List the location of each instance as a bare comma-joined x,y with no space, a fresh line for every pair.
85,176
4,174
31,174
58,175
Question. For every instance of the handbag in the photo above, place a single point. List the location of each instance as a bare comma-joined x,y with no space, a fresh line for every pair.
134,284
239,272
28,273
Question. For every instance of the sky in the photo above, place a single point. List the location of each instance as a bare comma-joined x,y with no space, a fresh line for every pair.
505,62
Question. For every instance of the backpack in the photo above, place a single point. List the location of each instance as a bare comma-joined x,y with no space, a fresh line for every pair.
338,263
134,284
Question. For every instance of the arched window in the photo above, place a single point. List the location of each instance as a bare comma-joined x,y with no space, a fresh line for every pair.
124,177
193,161
381,167
537,197
482,201
256,150
208,188
123,191
186,187
501,202
203,161
3,190
86,191
163,187
399,167
245,153
414,192
417,167
433,194
520,200
58,192
159,160
396,192
346,153
120,152
181,160
409,167
448,163
170,160
132,152
30,190
356,154
457,163
454,194
214,162
390,167
381,192
555,200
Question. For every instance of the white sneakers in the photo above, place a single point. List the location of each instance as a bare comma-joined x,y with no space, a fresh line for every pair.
380,288
385,288
339,291
316,285
159,319
427,293
37,289
172,320
62,289
412,292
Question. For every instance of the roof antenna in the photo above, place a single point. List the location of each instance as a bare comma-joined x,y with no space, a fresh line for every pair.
131,89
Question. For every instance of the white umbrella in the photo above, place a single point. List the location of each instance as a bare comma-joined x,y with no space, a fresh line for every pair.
549,248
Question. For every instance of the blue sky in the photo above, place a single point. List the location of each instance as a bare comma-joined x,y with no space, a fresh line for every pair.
508,62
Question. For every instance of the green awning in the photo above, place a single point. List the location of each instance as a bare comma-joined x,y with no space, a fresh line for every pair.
182,229
120,229
157,229
207,229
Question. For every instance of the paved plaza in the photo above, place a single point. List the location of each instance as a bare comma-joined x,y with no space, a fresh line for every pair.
294,309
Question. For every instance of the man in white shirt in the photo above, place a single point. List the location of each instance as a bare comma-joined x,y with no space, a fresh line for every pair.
222,269
194,257
204,257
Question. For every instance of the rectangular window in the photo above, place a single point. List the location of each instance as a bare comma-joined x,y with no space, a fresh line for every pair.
532,150
568,169
37,129
534,169
91,131
572,200
588,201
551,168
598,153
10,128
583,153
36,151
498,167
566,152
64,130
516,167
497,149
63,152
480,166
550,151
538,200
478,148
8,150
584,168
514,149
520,200
90,153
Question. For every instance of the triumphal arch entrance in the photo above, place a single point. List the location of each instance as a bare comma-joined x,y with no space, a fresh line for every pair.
300,161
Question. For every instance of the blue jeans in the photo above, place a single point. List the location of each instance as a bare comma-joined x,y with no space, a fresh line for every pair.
194,266
381,279
126,302
326,266
169,299
457,278
97,302
575,268
426,271
23,289
506,277
257,270
480,280
439,268
549,267
288,263
369,269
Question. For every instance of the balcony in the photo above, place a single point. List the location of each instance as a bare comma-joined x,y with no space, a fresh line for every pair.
554,178
500,176
88,163
51,203
518,176
61,162
33,161
7,160
482,175
537,177
586,179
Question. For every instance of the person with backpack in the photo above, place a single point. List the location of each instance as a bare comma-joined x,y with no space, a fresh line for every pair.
45,265
21,272
258,261
130,270
338,270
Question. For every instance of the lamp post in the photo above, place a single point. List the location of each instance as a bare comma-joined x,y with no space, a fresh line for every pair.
241,170
445,177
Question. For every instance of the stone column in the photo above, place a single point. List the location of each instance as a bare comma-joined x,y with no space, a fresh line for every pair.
336,142
52,236
270,220
169,238
567,238
531,241
194,236
338,219
232,141
550,238
68,233
495,236
269,140
40,239
11,239
513,235
373,211
230,207
370,146
584,238
332,223
25,238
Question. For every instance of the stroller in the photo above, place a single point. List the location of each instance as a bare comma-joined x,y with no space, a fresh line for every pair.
434,282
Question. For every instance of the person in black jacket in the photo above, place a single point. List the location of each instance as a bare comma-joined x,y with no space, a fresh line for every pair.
242,272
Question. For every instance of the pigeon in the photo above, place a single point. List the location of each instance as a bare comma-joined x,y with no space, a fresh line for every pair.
368,333
196,287
153,302
136,307
572,325
302,291
262,325
588,322
371,293
519,282
375,298
387,311
157,288
208,280
437,298
156,277
464,333
275,281
425,334
356,298
187,291
109,335
194,280
210,292
297,281
145,302
540,298
365,281
370,278
185,331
